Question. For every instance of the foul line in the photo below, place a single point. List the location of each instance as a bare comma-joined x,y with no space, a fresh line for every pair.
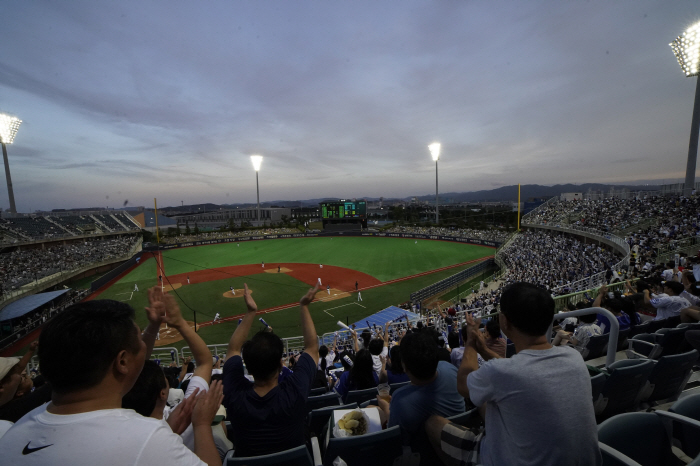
396,280
328,313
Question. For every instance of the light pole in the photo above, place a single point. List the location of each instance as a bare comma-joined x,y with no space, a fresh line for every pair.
257,161
435,154
687,51
8,129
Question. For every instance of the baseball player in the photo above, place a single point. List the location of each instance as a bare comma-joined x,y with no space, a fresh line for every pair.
217,318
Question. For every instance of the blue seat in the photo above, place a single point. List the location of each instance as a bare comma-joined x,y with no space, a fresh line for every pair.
298,456
596,347
597,383
622,387
669,376
464,418
663,342
395,386
377,449
318,391
318,418
358,396
689,437
321,401
641,438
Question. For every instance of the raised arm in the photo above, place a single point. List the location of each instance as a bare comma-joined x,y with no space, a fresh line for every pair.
470,361
386,334
240,335
308,330
200,352
601,293
155,314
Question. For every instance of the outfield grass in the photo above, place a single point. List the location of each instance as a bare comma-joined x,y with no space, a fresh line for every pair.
383,258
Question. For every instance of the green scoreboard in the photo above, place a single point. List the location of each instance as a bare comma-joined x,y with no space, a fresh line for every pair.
344,210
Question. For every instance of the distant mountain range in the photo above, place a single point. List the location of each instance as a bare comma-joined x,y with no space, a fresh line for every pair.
502,194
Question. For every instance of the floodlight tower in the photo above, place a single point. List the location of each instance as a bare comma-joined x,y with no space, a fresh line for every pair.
687,51
8,129
435,154
257,161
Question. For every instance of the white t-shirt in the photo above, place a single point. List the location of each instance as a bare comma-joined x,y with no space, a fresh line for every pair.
376,362
106,437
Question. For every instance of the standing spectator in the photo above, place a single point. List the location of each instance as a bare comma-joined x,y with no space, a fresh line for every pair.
670,303
362,375
267,416
539,385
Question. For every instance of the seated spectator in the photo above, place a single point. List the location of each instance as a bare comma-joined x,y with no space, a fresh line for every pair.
267,416
581,336
395,373
668,304
457,353
91,354
360,377
433,390
494,341
539,385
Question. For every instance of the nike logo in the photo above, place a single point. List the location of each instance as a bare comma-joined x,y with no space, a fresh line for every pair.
28,450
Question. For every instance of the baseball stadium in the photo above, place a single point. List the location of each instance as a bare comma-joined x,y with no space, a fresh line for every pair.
531,324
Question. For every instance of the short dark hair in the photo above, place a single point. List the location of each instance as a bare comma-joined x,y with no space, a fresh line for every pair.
453,340
528,308
376,346
396,366
143,395
676,287
77,347
419,354
262,355
493,328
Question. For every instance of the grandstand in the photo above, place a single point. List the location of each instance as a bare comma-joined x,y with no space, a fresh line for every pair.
569,247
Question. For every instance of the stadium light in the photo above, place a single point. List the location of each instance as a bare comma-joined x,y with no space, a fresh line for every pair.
687,51
8,129
257,161
435,154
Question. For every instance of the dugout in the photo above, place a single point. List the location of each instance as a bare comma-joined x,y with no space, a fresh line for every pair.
344,215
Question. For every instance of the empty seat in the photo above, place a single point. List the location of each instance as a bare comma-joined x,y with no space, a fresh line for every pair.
596,346
321,401
622,387
358,396
688,436
318,391
395,386
298,456
464,418
669,376
641,437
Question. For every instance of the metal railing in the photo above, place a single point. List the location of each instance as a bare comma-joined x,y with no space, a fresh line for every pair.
451,281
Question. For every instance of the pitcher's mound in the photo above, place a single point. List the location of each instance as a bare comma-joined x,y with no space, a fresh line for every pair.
323,295
239,293
172,287
282,270
168,336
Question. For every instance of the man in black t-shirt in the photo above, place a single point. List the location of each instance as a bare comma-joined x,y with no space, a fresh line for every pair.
268,416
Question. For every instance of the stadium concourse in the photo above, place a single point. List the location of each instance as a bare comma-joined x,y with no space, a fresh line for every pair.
419,381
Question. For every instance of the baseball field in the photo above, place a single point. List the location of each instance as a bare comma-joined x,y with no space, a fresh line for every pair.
201,278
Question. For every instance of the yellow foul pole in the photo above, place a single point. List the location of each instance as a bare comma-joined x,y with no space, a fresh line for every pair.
155,205
518,206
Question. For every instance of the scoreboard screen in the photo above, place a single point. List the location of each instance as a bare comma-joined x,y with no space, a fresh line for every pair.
344,209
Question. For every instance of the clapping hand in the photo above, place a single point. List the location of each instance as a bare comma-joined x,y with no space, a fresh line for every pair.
309,296
208,404
181,416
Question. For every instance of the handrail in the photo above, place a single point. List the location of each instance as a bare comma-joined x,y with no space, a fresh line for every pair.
614,328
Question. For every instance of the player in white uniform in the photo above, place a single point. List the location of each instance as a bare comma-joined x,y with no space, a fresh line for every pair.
136,286
319,282
233,292
217,318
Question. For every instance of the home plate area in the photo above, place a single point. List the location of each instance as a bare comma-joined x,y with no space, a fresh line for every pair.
169,335
323,295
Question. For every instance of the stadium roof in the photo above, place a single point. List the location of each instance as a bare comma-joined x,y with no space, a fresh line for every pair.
27,304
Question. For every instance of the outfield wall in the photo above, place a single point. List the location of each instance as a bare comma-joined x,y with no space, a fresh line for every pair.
456,239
